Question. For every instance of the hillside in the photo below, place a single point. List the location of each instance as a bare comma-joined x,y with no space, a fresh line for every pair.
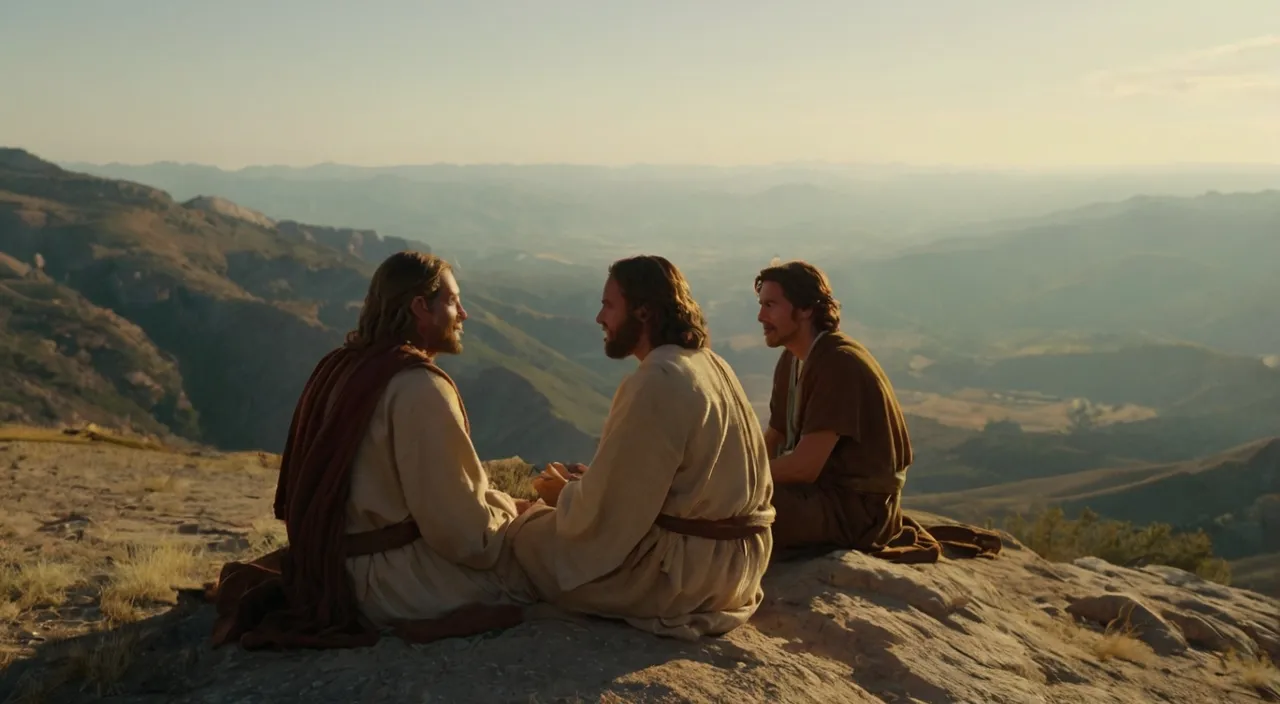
241,310
118,529
63,359
1230,495
1196,269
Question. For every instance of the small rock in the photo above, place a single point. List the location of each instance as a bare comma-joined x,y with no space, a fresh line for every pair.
189,528
233,543
1209,633
1125,611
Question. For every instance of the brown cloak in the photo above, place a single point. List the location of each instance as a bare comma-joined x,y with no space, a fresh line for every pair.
301,596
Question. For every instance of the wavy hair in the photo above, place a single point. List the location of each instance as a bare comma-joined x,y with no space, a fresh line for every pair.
386,317
651,283
806,288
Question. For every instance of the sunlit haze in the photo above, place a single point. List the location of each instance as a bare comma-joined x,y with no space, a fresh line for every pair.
1028,83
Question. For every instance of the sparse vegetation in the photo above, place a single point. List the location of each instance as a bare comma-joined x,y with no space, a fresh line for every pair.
512,475
1056,537
148,574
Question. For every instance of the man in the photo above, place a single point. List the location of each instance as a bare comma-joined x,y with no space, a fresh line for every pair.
667,528
390,518
837,437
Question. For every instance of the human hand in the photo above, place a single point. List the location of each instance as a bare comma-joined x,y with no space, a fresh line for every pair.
523,505
576,470
550,482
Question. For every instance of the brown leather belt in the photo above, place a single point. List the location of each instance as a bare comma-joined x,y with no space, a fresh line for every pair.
732,528
398,535
371,542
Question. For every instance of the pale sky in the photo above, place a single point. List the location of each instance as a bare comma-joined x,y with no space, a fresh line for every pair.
1041,83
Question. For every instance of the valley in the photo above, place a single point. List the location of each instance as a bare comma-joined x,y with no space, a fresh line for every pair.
1111,356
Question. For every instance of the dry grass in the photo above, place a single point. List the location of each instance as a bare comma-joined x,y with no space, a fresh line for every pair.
1257,672
38,584
149,574
1120,641
80,436
1123,646
512,475
265,535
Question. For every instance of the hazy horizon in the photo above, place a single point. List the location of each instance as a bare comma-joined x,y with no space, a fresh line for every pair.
1029,85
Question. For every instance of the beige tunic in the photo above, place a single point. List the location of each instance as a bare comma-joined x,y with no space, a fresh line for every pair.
682,439
417,460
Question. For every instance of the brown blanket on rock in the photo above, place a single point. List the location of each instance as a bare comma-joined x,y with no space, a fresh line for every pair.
301,596
917,543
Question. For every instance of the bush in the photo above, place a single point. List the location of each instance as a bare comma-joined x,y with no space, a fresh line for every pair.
1055,537
512,475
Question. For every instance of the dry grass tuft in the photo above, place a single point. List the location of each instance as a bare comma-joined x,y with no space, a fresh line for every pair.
512,475
1120,641
148,575
1257,672
42,583
1123,646
265,535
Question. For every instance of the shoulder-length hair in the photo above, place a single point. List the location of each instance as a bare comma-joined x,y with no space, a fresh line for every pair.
806,288
653,284
386,317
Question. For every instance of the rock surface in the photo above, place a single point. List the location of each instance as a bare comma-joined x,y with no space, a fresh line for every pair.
841,628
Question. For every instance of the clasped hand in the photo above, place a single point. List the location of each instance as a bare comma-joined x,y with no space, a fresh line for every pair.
552,480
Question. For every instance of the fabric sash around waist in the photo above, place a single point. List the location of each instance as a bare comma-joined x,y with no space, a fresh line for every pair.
400,534
732,528
385,539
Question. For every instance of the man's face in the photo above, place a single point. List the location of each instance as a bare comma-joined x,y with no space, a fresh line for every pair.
780,320
440,323
622,329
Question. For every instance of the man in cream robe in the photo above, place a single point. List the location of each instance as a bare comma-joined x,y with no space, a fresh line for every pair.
681,442
417,460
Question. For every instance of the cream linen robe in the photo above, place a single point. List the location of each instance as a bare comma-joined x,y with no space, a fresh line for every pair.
417,460
682,439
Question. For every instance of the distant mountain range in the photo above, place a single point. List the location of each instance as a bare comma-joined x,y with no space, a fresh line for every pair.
201,316
203,319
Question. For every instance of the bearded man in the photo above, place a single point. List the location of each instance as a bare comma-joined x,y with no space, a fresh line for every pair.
390,517
837,438
668,527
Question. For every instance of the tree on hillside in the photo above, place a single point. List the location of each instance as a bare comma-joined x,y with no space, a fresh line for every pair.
1055,537
1083,415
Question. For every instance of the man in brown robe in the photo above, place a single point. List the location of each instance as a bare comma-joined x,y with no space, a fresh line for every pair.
668,527
390,518
837,438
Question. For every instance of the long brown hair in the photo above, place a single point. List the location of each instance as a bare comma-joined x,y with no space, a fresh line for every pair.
386,317
805,288
652,283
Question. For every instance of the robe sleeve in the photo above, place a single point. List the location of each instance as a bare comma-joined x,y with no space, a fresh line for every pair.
778,394
601,518
445,486
833,398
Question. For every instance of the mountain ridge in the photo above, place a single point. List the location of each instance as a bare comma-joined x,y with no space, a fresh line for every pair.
245,310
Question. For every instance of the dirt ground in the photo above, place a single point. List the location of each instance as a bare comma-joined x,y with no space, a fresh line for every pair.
98,539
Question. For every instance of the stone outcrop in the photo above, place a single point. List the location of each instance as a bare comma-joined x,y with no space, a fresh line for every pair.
840,628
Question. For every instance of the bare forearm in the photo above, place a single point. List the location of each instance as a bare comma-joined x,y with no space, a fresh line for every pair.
790,469
772,441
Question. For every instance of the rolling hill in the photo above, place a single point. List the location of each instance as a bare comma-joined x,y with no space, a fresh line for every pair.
230,309
1195,269
1234,496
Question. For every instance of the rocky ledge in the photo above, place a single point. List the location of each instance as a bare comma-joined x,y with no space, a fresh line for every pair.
840,628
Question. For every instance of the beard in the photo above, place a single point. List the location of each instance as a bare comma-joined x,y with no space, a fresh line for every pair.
447,340
623,341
